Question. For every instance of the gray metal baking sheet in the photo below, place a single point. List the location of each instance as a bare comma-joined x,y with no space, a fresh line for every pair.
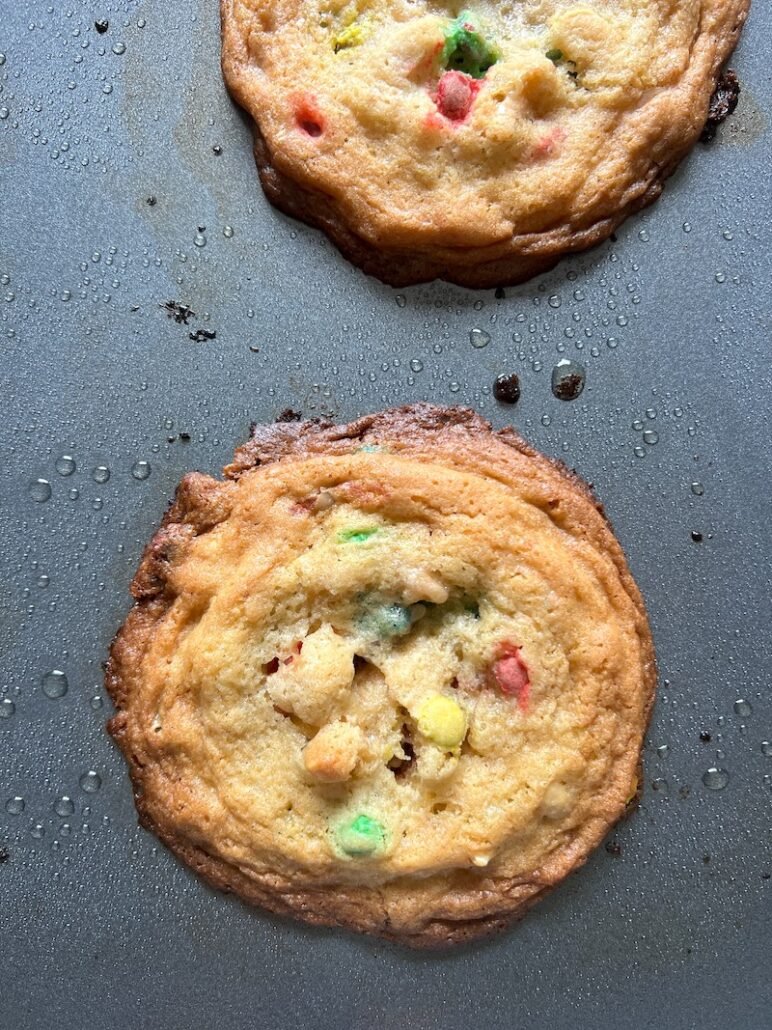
100,928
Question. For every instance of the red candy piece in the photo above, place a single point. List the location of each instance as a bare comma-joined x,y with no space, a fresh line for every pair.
510,674
308,118
455,95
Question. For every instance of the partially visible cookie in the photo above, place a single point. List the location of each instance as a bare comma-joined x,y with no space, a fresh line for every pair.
392,676
474,145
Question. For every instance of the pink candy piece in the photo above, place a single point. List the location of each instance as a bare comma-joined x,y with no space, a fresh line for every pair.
510,674
455,95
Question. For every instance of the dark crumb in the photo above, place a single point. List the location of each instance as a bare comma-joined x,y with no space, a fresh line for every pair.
684,792
200,335
217,150
101,25
255,350
4,856
289,415
499,293
170,439
765,876
613,237
184,437
696,537
706,859
705,737
507,388
722,103
151,201
614,849
179,312
134,308
568,387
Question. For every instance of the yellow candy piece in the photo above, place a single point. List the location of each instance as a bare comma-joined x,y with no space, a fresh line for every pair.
351,36
443,721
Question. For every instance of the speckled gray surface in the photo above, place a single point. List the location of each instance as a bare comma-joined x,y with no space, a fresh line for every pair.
100,928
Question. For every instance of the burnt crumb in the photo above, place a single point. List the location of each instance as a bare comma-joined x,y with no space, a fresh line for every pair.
613,237
184,437
765,876
696,537
4,855
151,201
568,386
684,792
499,293
181,313
170,439
200,335
705,737
706,859
507,388
722,103
614,849
289,415
217,150
101,25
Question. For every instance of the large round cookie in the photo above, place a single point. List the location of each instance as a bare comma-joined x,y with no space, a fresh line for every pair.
392,676
475,145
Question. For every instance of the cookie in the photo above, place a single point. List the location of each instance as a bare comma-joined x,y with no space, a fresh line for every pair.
474,145
392,676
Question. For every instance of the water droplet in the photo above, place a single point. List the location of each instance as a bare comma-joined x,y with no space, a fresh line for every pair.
637,425
416,365
479,338
454,387
660,785
643,235
90,782
766,747
43,581
65,465
38,831
687,226
199,240
554,301
55,684
7,708
73,493
720,277
697,489
14,806
63,806
639,451
141,469
119,49
662,750
100,474
568,379
97,504
715,779
228,232
96,703
650,436
401,301
742,707
39,490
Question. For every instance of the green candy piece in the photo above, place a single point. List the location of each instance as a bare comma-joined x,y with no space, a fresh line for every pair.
361,837
554,55
356,536
388,620
466,50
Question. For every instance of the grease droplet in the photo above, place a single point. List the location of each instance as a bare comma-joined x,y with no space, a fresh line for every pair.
55,684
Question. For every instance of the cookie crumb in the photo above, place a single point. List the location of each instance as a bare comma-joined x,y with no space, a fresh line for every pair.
181,313
506,388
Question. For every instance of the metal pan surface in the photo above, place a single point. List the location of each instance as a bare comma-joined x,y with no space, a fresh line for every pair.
126,182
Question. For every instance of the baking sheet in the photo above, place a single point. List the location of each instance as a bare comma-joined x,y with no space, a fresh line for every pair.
100,926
